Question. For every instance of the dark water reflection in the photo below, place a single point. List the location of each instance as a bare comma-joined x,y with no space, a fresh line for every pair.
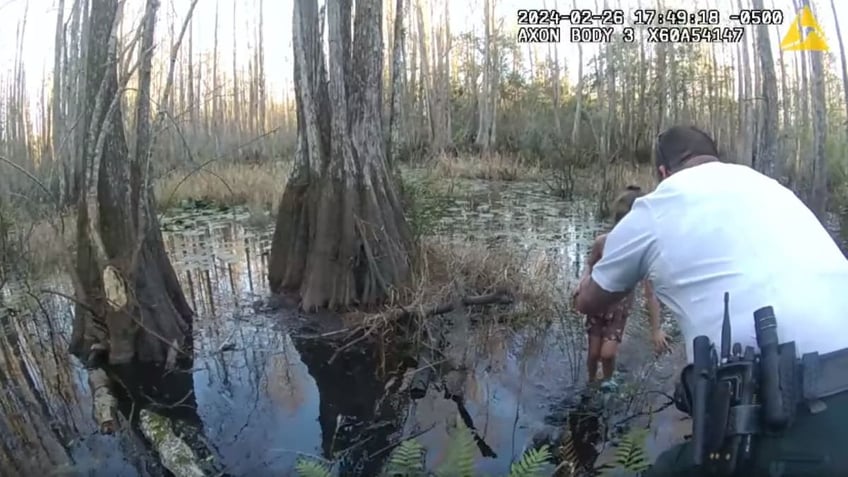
45,419
266,397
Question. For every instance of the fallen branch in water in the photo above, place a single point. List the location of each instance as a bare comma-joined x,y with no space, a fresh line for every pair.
173,452
422,376
499,297
469,424
104,402
371,322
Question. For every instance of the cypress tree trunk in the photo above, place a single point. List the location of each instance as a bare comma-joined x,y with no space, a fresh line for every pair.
341,238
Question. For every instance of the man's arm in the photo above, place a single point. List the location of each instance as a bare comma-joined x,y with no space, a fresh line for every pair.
594,300
629,250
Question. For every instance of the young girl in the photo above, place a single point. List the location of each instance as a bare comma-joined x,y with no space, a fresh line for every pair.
605,331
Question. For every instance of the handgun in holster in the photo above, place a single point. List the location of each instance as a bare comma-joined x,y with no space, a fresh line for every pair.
735,396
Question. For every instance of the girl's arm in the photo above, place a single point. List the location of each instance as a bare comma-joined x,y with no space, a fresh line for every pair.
657,334
653,306
594,256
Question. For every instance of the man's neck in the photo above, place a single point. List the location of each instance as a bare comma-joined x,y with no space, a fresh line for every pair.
697,161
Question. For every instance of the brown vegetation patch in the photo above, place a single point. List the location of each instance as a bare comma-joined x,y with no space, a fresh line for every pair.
446,272
449,276
256,185
493,166
36,247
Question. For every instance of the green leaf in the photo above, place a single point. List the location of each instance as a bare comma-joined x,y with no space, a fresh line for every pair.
531,463
630,455
311,468
459,461
407,460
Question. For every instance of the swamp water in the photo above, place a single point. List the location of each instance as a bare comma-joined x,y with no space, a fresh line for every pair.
267,396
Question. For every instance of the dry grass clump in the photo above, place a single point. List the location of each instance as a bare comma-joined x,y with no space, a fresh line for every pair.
38,247
448,271
492,166
257,185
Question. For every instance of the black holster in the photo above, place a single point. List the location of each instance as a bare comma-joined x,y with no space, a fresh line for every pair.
740,396
734,408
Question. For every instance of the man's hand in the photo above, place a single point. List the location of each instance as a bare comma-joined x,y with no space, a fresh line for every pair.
594,300
660,342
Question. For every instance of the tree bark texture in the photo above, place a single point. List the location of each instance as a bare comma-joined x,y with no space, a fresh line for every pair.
341,238
842,63
818,165
396,136
117,228
767,161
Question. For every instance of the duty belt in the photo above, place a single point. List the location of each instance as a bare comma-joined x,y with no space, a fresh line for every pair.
823,375
819,376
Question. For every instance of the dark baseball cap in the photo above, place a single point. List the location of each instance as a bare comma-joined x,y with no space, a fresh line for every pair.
677,144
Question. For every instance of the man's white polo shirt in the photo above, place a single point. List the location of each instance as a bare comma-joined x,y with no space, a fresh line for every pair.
716,228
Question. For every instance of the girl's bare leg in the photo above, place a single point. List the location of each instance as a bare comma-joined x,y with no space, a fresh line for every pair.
609,350
594,355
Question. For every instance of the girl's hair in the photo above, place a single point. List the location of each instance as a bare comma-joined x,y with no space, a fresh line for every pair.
624,202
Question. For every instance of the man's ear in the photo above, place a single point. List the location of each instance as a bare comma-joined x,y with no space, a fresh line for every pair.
663,172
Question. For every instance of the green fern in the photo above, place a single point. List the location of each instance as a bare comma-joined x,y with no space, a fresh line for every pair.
311,468
567,452
459,461
531,463
631,455
407,460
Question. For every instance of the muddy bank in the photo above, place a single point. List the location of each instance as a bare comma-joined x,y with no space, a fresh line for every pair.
264,391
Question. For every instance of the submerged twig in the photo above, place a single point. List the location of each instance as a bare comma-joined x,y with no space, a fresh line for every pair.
649,412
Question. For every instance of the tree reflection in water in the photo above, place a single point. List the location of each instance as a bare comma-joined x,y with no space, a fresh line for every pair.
45,420
360,414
